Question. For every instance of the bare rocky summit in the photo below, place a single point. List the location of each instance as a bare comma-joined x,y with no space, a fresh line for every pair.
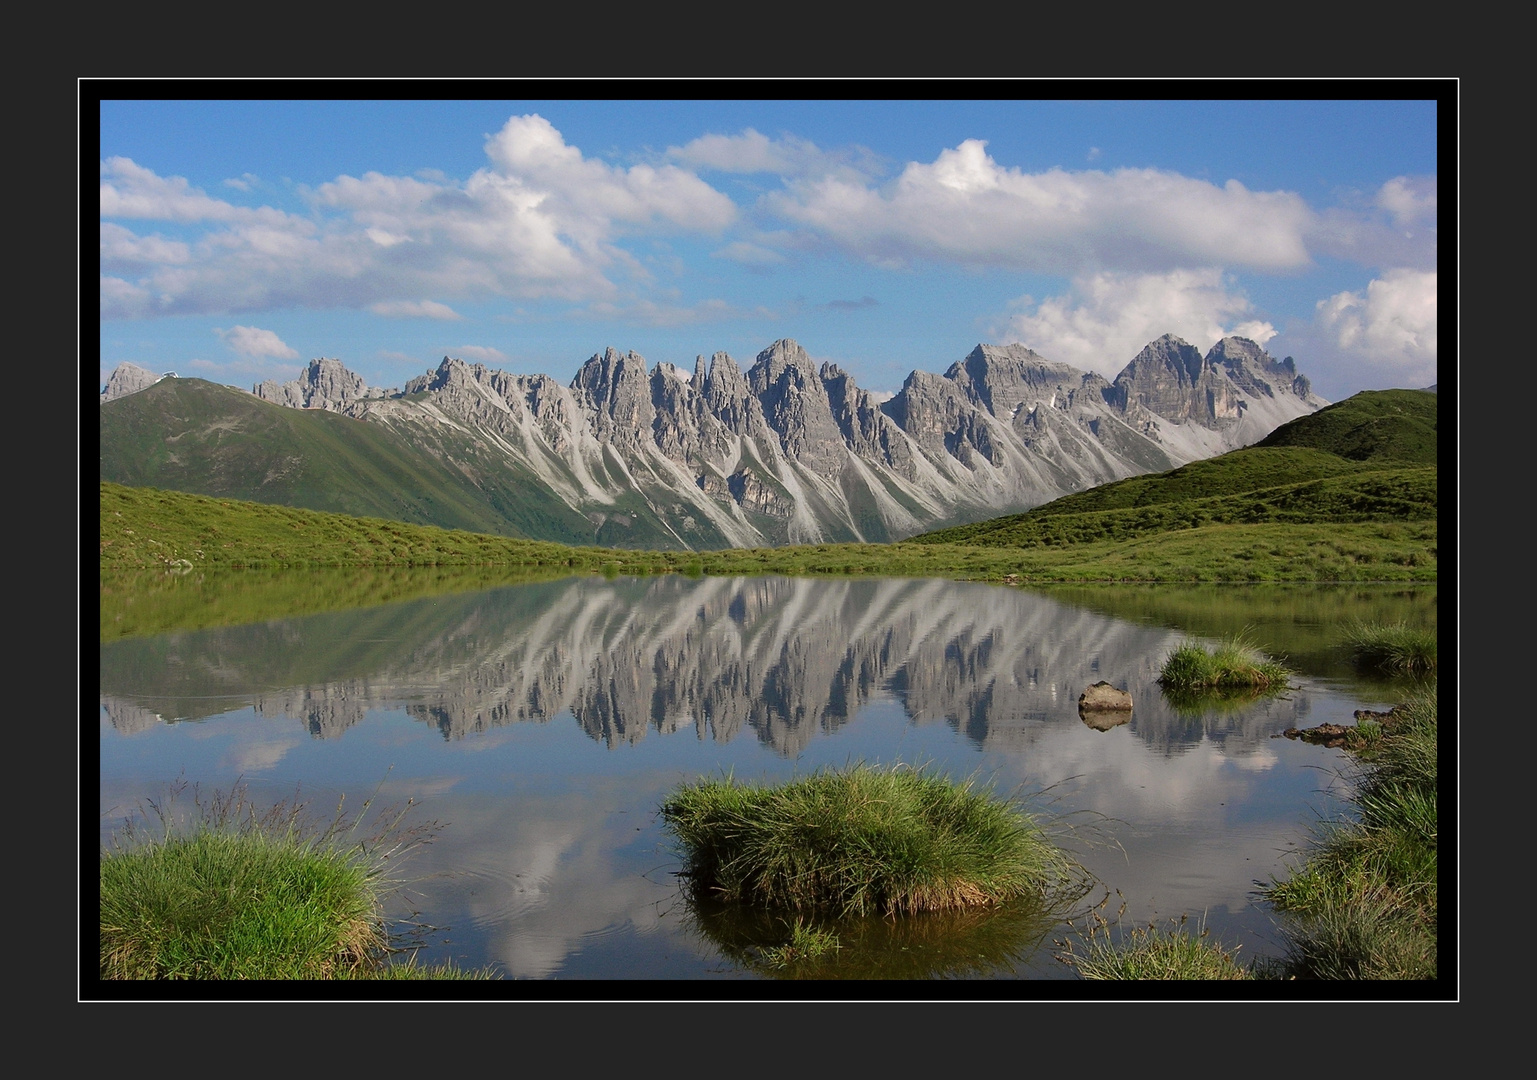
327,384
127,379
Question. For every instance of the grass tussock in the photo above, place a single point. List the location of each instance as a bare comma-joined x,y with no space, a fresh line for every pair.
1172,953
1233,664
859,841
1363,903
1393,648
230,891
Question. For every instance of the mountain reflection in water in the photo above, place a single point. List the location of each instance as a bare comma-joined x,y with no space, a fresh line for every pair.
545,722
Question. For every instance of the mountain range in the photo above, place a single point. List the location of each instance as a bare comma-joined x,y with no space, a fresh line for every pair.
786,658
628,455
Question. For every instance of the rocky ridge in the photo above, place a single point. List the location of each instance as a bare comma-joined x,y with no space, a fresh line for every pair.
790,451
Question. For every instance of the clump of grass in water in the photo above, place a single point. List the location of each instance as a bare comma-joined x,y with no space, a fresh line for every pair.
1363,904
1395,648
1153,953
242,893
862,840
1234,664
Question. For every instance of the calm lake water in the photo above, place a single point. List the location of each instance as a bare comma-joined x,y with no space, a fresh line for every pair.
543,724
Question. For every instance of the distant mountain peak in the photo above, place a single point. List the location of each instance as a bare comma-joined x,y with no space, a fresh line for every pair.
793,451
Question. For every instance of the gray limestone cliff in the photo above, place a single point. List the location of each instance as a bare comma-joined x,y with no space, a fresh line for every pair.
127,379
326,384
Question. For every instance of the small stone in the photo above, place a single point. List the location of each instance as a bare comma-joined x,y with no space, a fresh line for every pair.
1102,696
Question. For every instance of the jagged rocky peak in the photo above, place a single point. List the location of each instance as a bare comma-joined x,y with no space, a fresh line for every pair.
796,406
1169,377
449,372
724,380
127,378
1256,371
325,384
1005,378
615,386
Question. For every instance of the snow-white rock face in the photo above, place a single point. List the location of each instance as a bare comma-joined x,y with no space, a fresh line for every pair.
789,451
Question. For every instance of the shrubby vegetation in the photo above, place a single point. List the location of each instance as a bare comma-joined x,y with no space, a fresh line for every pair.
1151,952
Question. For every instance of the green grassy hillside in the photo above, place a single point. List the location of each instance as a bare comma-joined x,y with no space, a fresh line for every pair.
196,436
146,529
1345,464
1377,425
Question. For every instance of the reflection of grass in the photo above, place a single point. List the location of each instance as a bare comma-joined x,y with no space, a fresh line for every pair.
1217,702
859,841
1234,664
141,603
969,943
806,943
1392,647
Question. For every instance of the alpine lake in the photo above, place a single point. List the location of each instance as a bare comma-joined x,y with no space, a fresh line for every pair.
536,727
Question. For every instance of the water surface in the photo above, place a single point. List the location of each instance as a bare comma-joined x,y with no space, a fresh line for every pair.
542,724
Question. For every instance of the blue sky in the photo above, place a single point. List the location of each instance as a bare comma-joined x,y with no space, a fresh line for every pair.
240,239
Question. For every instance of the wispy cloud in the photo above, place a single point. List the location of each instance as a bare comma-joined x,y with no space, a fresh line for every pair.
253,342
414,309
485,354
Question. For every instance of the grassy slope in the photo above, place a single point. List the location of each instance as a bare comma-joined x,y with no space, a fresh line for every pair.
1380,425
227,443
1369,458
143,528
1294,512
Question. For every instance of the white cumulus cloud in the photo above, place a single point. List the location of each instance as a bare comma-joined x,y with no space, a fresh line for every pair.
1392,325
129,190
253,342
542,220
1409,200
1106,319
966,208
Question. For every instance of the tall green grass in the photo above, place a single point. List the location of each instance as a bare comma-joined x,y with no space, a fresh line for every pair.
862,840
1362,905
1394,648
1232,664
230,891
1152,952
235,906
